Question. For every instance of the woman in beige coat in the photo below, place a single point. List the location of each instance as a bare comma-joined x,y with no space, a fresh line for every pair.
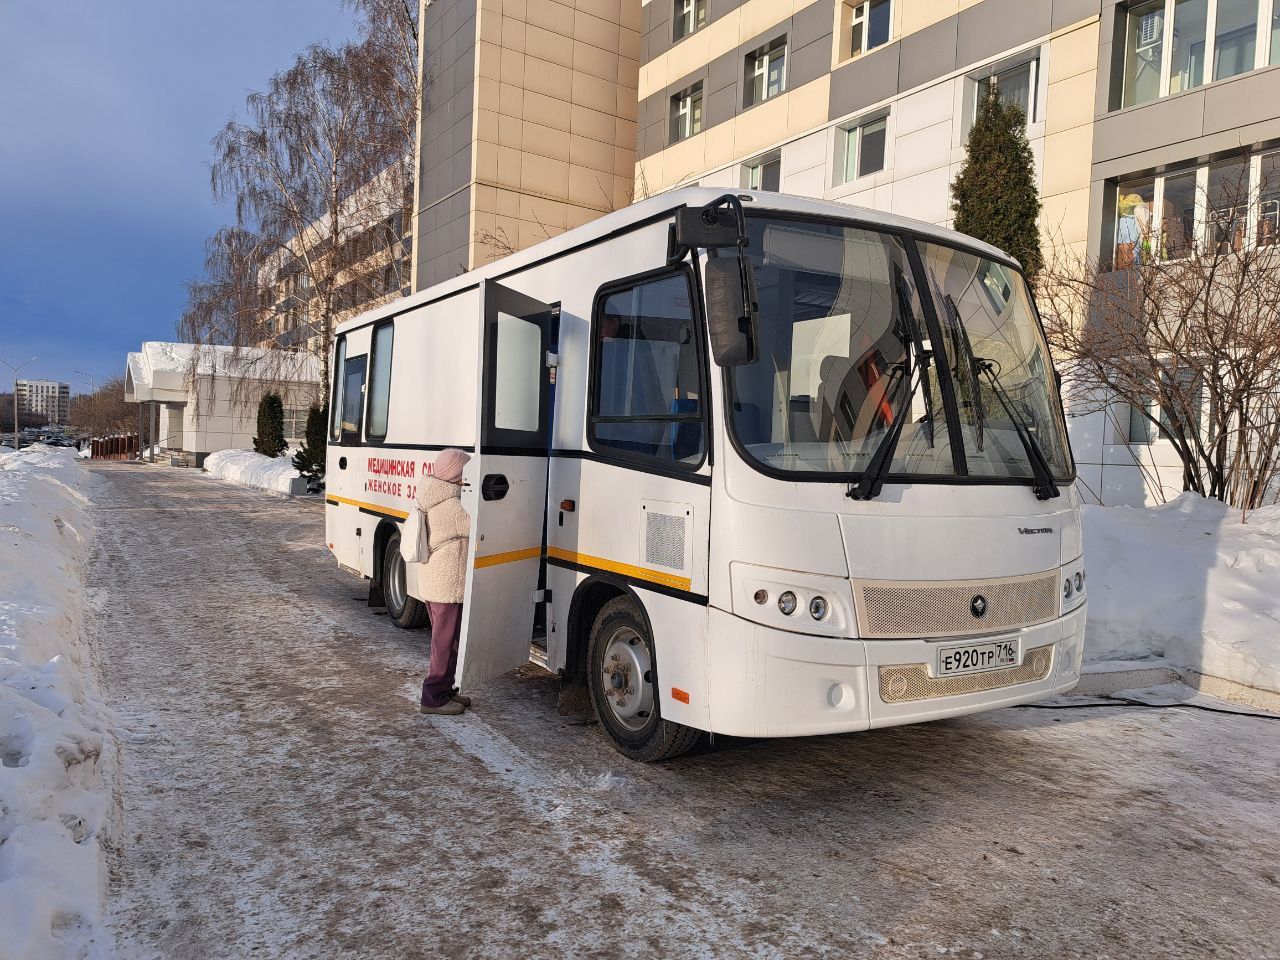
444,577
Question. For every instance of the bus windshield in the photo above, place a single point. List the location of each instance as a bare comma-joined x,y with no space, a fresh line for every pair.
846,347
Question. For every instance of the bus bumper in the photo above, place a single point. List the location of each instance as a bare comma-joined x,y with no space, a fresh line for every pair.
763,682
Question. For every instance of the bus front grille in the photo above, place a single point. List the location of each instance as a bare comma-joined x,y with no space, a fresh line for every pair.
895,610
899,684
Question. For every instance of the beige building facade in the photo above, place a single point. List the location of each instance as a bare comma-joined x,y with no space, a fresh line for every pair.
867,103
527,128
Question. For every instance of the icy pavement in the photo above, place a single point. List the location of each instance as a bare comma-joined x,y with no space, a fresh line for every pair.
282,798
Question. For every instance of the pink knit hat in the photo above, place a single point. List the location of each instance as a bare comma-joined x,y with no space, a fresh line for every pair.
449,464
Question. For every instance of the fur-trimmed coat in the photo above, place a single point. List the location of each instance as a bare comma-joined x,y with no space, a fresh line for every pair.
443,575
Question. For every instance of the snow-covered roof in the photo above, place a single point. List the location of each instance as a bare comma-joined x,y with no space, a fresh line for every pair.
159,370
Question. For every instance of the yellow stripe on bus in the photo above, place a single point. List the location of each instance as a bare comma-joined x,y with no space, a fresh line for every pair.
625,569
494,559
385,511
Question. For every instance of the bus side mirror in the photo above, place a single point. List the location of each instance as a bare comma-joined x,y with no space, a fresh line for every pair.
710,228
731,310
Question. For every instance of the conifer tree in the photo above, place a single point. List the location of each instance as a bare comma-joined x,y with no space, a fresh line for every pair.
270,440
309,460
995,193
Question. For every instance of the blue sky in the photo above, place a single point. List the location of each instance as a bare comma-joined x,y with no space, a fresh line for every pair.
107,109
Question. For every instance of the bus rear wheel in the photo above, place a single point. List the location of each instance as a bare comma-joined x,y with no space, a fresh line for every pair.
405,611
622,677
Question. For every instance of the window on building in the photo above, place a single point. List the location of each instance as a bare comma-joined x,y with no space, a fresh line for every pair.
1275,34
766,72
295,423
1178,216
1228,205
646,399
1143,52
870,24
1219,208
763,174
380,381
862,148
1141,427
1171,46
1268,190
1135,215
1017,87
1190,27
686,113
1236,40
690,15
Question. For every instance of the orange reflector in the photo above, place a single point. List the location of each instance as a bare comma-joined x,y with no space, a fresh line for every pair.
678,694
568,506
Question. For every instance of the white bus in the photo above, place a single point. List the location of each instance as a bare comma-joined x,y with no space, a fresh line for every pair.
753,464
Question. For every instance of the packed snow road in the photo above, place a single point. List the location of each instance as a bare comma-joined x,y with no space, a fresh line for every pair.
282,797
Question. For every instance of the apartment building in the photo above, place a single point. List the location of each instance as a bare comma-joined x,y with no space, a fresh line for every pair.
865,102
371,264
45,398
1143,118
527,127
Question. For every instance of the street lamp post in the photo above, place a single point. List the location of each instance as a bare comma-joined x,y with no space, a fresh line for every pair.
15,396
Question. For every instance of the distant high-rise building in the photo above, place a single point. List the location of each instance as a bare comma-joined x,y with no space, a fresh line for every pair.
46,398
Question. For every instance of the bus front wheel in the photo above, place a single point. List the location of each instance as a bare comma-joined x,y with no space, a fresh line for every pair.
622,677
405,611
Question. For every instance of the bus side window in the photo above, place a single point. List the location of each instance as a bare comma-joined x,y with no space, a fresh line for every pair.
335,395
353,373
647,388
380,381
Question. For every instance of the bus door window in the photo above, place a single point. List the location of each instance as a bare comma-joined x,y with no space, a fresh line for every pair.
353,374
647,387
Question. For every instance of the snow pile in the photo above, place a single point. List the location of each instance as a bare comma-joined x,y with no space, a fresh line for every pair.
1189,582
254,470
54,802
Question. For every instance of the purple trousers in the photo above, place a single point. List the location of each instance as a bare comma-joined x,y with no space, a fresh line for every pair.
446,628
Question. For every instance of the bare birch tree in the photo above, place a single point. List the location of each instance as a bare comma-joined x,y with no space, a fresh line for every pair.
1182,323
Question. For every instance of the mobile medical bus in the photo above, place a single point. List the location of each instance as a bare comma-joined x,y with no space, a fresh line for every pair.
756,465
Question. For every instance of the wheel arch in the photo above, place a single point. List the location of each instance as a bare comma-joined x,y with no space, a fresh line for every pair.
381,537
589,598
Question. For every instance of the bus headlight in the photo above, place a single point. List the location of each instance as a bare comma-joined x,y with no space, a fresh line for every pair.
1073,581
780,598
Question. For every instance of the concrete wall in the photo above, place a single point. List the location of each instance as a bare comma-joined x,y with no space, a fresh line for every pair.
217,416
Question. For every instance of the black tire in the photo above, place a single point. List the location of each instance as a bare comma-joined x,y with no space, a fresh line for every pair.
627,703
405,611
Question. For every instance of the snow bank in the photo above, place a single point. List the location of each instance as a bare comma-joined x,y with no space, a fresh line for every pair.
54,804
1189,582
255,470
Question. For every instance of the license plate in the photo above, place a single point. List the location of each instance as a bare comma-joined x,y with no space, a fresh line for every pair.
973,657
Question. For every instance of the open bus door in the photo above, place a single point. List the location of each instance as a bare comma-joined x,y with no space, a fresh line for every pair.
508,508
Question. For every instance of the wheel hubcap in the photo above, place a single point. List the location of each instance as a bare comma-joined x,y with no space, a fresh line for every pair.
626,675
395,589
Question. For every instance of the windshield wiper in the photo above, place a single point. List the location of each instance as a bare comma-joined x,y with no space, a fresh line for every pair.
872,482
1045,487
965,346
917,340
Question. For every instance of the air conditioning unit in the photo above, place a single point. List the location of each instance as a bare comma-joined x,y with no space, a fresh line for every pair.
1150,30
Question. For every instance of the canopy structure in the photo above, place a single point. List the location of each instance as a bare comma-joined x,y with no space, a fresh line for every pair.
163,371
